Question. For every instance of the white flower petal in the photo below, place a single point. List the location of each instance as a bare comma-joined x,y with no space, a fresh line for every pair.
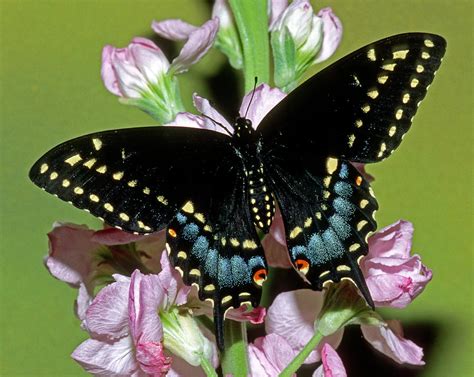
175,30
264,99
204,107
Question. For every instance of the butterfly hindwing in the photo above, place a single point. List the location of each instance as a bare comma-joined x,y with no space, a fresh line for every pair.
213,243
360,107
328,212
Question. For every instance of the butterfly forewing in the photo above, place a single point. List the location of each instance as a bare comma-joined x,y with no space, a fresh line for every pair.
361,106
135,178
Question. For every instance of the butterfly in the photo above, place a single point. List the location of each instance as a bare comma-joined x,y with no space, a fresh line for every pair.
214,192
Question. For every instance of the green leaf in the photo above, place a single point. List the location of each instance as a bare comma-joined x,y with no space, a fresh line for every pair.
234,358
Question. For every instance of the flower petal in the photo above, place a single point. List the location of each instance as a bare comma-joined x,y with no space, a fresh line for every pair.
221,10
71,252
114,236
174,29
149,59
332,365
392,241
108,71
276,8
269,355
255,316
176,293
82,303
332,34
145,298
152,359
199,42
292,315
107,359
264,99
108,313
276,254
204,107
389,340
191,121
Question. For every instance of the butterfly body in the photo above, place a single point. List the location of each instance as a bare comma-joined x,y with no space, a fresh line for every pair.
212,191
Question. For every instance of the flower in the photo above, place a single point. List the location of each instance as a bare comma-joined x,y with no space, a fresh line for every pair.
85,258
394,277
269,355
227,41
128,334
292,315
301,38
332,365
141,74
264,99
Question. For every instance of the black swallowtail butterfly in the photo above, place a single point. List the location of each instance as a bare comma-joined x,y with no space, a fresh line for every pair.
212,191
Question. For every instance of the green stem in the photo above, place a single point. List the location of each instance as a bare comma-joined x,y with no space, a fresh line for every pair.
301,357
234,358
207,368
252,21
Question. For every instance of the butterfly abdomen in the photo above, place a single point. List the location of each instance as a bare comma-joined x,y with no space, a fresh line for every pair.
262,204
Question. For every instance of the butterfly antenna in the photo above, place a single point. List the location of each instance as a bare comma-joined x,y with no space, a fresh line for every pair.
251,98
217,124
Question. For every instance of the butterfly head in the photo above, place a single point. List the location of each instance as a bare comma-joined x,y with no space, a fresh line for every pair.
243,130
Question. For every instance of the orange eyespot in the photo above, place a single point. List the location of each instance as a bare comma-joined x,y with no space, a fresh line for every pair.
358,180
172,232
260,276
302,266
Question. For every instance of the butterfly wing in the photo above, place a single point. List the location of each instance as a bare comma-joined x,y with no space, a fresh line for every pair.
357,109
143,179
135,179
360,107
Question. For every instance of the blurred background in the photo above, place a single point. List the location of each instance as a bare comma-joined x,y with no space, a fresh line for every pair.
51,91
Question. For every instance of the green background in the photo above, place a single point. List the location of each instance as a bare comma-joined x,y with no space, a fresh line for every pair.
51,91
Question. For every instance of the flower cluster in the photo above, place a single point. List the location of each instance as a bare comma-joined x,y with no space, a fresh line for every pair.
140,317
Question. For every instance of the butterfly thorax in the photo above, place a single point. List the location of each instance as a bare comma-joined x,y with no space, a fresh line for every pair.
261,202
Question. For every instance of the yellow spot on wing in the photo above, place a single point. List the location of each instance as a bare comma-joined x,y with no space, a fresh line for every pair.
389,67
109,207
354,247
44,168
361,224
402,54
358,123
188,207
406,98
343,267
429,43
200,217
90,163
351,140
420,68
53,175
399,114
73,159
78,190
97,144
66,183
101,169
132,183
392,131
382,79
124,216
162,200
308,222
425,55
195,272
234,242
366,108
209,288
249,244
182,255
414,83
296,230
331,165
363,203
146,191
374,93
94,198
118,176
371,54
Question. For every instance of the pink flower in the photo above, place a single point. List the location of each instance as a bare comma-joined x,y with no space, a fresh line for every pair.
77,255
394,277
269,355
389,340
332,34
331,364
198,40
265,98
127,333
292,316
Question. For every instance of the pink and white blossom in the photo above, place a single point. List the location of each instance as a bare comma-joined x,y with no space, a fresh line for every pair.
126,329
394,277
332,34
198,40
269,355
389,340
292,316
332,365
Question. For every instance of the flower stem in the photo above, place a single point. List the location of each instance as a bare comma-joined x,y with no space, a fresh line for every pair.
301,357
207,368
234,358
252,21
